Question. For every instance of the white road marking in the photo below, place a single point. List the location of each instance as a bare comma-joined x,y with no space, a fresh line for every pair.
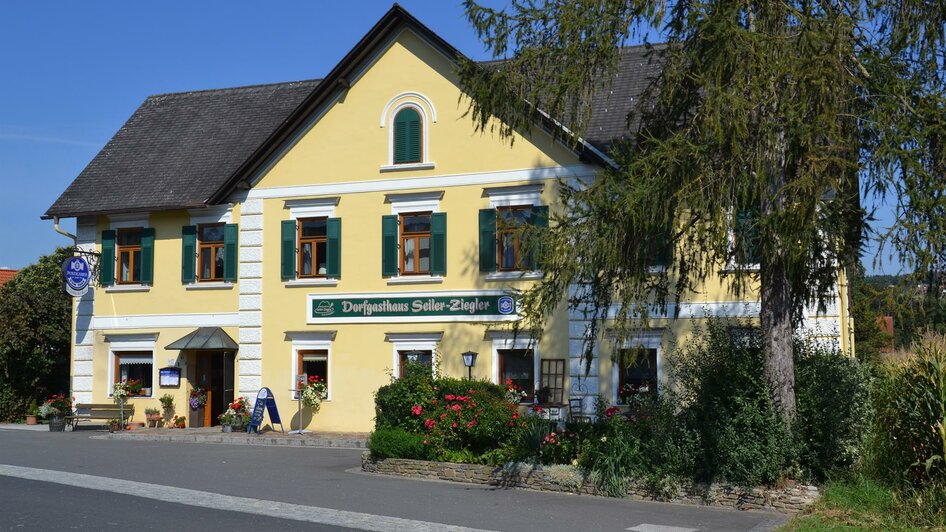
206,499
647,527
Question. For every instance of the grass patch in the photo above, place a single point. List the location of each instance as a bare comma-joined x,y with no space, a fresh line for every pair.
855,505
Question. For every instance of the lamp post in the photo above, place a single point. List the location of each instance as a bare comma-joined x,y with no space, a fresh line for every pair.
469,360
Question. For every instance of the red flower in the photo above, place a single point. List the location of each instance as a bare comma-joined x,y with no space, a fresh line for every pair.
611,411
429,424
449,397
416,410
538,409
454,425
455,407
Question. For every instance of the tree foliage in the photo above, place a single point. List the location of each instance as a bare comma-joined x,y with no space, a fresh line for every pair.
35,326
778,113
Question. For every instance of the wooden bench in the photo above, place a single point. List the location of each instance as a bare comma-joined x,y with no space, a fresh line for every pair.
103,411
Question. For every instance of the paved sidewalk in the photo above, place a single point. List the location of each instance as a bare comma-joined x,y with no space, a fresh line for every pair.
23,426
340,440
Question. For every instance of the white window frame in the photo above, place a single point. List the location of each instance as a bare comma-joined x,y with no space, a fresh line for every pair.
125,343
421,104
652,339
126,221
311,341
731,264
222,214
423,341
505,340
408,203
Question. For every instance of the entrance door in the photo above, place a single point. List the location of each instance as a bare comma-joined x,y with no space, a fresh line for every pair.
215,374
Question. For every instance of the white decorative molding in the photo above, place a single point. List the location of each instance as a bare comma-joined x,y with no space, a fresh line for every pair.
506,340
406,95
159,321
306,341
429,165
650,339
412,342
311,208
514,196
424,132
413,183
402,337
212,214
249,317
414,202
209,286
131,342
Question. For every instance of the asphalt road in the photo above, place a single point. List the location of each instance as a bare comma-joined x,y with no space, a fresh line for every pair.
99,484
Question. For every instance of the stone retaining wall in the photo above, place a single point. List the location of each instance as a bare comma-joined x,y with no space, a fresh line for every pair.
569,479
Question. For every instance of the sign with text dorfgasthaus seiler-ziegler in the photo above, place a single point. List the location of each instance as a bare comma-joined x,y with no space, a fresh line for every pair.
479,305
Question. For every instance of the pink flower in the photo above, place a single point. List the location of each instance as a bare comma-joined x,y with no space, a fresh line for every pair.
429,424
449,397
455,407
454,425
470,424
416,410
611,411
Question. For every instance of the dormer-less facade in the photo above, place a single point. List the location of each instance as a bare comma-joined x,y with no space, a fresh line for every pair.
338,228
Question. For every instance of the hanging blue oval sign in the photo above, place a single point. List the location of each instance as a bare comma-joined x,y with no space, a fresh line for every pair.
76,276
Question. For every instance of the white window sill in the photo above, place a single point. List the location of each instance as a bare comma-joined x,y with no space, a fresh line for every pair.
733,267
515,276
406,166
415,279
209,286
311,282
128,288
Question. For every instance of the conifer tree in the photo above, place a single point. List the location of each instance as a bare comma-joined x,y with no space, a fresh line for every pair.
749,155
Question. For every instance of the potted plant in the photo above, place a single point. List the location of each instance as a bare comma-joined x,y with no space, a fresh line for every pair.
113,425
33,413
167,403
227,419
314,393
198,398
153,415
134,387
56,408
179,422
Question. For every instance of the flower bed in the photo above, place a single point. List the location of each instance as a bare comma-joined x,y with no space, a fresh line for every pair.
569,479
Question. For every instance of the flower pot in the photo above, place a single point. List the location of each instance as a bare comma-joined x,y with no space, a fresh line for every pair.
57,423
31,419
227,428
197,418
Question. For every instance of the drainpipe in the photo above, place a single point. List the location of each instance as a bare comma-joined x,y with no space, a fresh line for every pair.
62,232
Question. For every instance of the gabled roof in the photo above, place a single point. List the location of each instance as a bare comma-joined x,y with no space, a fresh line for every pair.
6,275
192,149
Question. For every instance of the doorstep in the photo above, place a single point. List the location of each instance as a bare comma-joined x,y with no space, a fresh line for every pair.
337,440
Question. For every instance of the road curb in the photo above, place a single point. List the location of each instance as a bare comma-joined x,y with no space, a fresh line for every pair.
273,441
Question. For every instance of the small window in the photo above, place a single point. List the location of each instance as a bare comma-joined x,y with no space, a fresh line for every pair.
210,252
407,136
314,362
746,241
517,366
637,372
551,381
135,366
512,254
414,356
129,255
415,243
313,247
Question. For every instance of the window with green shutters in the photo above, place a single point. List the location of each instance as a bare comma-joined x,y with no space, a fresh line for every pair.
107,261
745,238
502,245
209,253
127,256
408,136
414,244
311,248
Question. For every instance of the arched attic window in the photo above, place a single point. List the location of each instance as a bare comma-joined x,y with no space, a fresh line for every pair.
407,136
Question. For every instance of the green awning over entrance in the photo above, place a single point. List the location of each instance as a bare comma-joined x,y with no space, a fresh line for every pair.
206,339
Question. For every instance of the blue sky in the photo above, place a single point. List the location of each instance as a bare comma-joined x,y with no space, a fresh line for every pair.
73,72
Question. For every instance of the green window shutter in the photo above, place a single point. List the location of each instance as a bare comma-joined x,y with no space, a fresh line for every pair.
333,248
487,240
389,245
407,136
746,236
107,261
147,255
438,243
540,219
188,254
288,238
230,252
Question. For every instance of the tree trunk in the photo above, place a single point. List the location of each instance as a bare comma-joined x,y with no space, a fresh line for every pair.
776,318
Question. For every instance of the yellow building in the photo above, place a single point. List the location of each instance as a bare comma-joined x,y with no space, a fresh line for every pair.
338,227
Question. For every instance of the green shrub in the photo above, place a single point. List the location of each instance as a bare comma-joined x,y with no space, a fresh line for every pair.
725,403
610,454
832,394
397,443
477,421
394,401
668,446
